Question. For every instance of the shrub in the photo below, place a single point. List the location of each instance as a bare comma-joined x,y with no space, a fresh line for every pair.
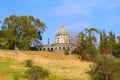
106,68
66,51
36,73
16,77
29,63
33,49
75,52
44,49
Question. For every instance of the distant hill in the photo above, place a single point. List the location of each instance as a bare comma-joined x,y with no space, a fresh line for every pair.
62,67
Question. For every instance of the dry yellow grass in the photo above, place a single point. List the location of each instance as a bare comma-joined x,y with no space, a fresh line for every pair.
5,76
59,64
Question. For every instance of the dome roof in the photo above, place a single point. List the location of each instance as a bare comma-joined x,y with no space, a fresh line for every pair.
62,31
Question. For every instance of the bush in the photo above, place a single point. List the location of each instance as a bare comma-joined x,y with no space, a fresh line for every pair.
16,77
106,68
36,73
66,52
44,49
29,63
75,52
33,49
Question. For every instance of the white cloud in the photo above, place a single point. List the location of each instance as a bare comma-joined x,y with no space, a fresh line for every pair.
108,4
67,9
81,7
78,26
112,6
70,7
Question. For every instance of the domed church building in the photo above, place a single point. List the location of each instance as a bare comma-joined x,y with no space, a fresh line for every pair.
62,42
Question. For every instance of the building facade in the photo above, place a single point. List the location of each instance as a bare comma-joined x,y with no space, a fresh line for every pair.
62,42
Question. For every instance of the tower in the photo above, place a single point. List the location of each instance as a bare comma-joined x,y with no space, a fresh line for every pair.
48,41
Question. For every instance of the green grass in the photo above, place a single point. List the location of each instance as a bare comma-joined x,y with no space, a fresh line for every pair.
7,69
15,73
52,77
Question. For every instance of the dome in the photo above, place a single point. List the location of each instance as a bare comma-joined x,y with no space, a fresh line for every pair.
62,31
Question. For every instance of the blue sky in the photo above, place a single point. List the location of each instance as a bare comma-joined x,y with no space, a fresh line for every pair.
75,15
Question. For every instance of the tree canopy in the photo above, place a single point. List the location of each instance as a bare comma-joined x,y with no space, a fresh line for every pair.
86,45
21,31
89,44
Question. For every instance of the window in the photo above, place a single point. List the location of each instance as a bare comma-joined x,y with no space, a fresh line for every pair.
63,48
58,40
68,48
55,48
51,49
59,47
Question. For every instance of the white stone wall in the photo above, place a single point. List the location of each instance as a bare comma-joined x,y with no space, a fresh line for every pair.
62,39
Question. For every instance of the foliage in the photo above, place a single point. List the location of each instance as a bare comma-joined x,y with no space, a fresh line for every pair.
29,63
86,46
107,43
106,68
75,51
20,31
66,51
44,49
33,49
3,41
116,52
36,73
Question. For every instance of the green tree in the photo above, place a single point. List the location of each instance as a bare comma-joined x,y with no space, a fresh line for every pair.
21,31
87,43
3,41
104,43
112,42
91,41
107,43
105,68
101,44
82,44
117,52
91,35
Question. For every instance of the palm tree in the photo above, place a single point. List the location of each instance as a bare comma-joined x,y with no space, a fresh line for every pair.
91,36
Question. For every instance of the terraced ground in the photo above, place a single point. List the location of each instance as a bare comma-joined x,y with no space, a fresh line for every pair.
62,67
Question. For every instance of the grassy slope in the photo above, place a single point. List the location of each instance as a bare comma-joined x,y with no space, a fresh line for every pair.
62,67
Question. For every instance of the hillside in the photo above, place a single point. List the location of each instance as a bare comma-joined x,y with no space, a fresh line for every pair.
62,67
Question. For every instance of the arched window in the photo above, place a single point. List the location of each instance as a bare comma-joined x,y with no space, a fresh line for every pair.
68,48
55,48
59,47
48,49
63,48
51,49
